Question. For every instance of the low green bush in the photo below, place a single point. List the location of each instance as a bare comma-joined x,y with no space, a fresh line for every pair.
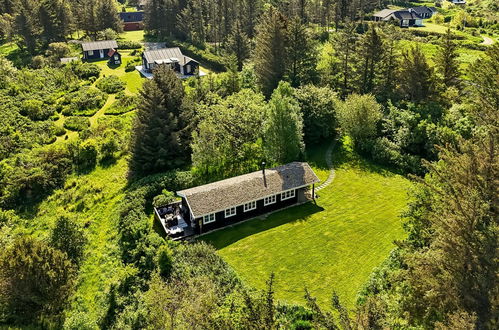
85,70
124,104
110,84
77,123
129,44
84,102
36,110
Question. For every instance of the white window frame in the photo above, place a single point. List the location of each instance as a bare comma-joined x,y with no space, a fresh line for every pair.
90,53
188,67
249,206
209,218
270,200
288,194
230,212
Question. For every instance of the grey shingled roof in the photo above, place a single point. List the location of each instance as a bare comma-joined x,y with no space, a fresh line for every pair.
165,54
405,14
424,10
221,195
384,13
96,45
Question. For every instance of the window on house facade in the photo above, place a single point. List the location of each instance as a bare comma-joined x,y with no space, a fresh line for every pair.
90,53
188,68
249,206
209,218
116,57
230,212
269,200
287,194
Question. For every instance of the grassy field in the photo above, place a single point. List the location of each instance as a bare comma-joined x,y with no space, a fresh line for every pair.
333,245
92,200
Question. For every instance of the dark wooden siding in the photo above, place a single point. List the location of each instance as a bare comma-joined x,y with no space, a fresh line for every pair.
222,221
95,55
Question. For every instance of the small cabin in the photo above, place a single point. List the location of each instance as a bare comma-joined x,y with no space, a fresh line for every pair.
94,50
114,57
132,21
172,57
226,202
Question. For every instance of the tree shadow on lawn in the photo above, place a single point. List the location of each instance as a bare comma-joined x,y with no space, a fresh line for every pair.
230,235
344,156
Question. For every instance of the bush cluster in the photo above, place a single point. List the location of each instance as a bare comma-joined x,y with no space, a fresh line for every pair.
84,102
129,44
77,123
110,84
124,104
85,70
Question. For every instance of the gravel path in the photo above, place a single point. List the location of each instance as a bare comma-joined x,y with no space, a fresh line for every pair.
487,41
329,162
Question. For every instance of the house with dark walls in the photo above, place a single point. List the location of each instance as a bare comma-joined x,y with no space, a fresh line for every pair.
226,202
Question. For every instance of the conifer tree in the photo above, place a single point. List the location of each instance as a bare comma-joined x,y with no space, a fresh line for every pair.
302,56
108,17
415,76
270,50
156,144
283,129
345,44
55,19
26,23
36,281
446,60
251,10
239,45
371,49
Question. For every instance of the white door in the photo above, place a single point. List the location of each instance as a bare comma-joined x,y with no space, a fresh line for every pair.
101,53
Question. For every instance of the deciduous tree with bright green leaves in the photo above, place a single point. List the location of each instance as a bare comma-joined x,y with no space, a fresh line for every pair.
283,129
358,116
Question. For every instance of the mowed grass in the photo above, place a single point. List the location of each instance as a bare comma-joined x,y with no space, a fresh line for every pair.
333,245
133,79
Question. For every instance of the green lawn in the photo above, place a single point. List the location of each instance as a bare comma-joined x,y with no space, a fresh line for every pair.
132,79
333,245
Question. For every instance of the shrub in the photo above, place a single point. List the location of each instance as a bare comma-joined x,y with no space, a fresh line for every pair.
111,84
84,102
109,145
129,44
77,123
59,131
68,236
165,198
84,154
36,110
124,104
85,70
107,34
130,65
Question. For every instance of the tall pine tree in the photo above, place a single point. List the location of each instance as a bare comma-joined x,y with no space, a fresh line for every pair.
270,50
156,144
301,55
446,61
370,54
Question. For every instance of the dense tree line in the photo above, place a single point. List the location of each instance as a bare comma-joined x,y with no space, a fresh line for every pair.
35,24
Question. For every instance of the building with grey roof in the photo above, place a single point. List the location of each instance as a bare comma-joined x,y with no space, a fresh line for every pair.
229,201
173,57
405,17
